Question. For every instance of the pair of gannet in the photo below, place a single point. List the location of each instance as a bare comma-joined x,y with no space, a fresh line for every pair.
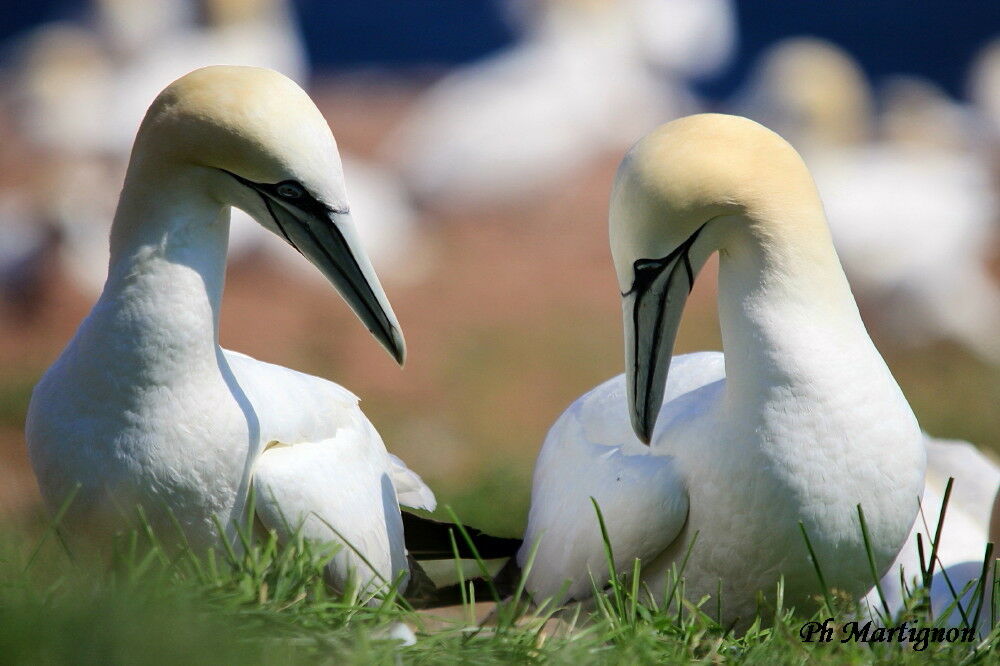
798,423
143,407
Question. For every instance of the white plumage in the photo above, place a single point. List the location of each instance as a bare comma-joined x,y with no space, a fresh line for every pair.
82,91
799,423
591,451
144,408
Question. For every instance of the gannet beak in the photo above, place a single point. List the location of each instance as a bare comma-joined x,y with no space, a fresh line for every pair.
327,238
652,313
333,246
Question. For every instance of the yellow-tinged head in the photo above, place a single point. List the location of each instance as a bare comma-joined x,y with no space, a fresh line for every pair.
253,139
693,186
250,121
703,167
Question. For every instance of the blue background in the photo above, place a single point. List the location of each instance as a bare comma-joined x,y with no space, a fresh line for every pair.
935,38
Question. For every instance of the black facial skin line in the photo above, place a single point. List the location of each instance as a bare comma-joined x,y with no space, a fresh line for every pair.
274,216
643,266
312,206
307,203
646,271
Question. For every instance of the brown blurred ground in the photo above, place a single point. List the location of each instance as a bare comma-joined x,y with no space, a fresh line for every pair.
516,317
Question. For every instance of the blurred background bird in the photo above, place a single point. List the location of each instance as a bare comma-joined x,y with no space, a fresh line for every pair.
583,77
480,139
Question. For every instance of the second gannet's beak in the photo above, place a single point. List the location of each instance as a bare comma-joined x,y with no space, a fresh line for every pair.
327,238
652,313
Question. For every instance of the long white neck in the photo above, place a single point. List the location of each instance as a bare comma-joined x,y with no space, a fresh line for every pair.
788,318
159,312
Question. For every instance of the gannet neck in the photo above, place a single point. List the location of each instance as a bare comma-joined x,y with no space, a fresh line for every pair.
710,183
167,269
786,313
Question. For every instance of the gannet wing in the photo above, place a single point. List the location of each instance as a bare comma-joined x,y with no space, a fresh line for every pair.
641,497
324,470
411,490
336,491
290,407
592,452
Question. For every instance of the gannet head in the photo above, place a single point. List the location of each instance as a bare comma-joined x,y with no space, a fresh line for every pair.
691,187
251,138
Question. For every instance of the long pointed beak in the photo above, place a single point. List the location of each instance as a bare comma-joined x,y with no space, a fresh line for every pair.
329,240
652,311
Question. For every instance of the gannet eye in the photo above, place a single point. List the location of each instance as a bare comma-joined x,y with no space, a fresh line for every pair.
290,190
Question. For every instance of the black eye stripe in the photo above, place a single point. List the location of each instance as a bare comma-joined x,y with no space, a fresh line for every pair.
647,270
305,202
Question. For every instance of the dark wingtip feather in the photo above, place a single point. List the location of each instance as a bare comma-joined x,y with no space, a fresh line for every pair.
428,539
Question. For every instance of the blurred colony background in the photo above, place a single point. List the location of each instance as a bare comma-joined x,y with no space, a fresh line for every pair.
480,138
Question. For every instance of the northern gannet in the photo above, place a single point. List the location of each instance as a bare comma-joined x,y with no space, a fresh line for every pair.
143,407
799,422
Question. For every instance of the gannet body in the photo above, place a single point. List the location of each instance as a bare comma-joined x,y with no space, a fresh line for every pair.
143,407
914,282
799,422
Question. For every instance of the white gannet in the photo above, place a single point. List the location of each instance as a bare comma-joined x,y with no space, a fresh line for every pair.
799,421
258,33
811,92
143,407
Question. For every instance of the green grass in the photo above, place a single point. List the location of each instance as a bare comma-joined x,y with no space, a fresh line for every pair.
269,604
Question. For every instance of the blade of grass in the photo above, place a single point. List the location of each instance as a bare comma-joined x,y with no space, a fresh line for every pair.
819,571
483,569
609,555
53,526
871,561
461,576
981,585
937,533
